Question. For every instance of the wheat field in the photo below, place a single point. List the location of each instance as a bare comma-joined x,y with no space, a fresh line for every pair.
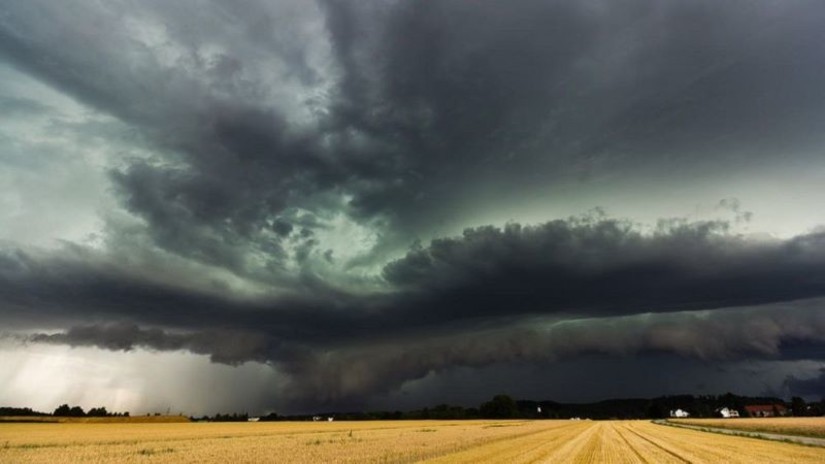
806,426
386,442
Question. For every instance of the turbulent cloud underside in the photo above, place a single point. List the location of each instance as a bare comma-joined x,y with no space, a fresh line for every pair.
362,195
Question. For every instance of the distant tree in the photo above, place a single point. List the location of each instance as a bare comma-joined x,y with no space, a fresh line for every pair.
63,410
76,411
818,409
655,410
798,406
500,407
98,412
270,417
234,417
701,409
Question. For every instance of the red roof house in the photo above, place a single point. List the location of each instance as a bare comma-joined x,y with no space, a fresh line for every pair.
766,410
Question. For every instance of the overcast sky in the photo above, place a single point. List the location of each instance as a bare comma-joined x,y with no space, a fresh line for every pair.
311,205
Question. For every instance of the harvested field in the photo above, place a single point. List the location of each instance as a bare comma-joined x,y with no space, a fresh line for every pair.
635,442
387,442
803,426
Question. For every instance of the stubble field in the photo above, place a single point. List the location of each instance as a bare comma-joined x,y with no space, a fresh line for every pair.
387,442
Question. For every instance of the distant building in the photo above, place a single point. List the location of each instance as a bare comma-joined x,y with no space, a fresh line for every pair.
679,413
727,412
766,410
254,419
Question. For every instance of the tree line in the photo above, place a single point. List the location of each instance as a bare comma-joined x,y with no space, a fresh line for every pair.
64,410
504,407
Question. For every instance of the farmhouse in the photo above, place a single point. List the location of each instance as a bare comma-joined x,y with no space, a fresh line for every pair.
766,410
679,413
727,412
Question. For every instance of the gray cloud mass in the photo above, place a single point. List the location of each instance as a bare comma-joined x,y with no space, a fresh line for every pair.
557,290
305,184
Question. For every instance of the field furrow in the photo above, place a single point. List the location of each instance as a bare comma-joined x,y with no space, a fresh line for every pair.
526,449
643,449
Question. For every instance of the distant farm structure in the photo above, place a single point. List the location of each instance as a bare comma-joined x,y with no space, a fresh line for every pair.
727,412
679,413
766,410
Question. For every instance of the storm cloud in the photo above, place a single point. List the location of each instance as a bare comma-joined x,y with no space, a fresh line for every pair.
365,368
491,296
364,194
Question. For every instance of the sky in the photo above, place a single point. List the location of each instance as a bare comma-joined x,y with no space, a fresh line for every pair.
296,206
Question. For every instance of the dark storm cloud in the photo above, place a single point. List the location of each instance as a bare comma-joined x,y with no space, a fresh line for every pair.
232,166
518,294
420,104
726,335
79,286
223,346
267,122
598,266
580,267
382,365
540,91
812,388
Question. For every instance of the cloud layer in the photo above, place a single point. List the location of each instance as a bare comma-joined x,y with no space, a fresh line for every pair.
491,296
363,194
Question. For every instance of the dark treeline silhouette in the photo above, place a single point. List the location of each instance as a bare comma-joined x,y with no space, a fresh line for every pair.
234,417
76,411
8,411
271,417
504,407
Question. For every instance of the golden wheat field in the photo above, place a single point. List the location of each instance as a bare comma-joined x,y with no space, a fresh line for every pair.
807,426
386,442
